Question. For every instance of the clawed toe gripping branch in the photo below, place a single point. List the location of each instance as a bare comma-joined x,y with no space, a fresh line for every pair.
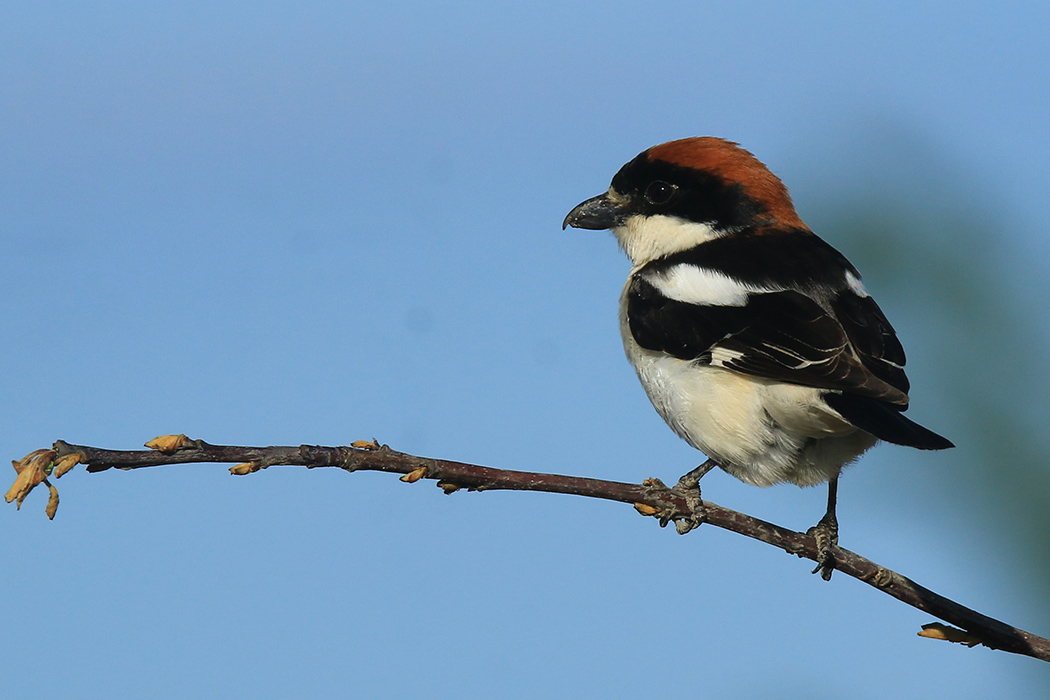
681,505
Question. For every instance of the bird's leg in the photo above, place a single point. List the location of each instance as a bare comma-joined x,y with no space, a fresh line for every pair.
826,533
689,486
691,480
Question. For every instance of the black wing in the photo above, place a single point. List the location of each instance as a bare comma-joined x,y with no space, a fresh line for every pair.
787,336
782,335
872,337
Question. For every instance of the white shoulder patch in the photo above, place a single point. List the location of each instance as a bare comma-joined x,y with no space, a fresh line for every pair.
856,285
698,285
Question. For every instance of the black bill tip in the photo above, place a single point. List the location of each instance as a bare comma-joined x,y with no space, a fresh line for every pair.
596,213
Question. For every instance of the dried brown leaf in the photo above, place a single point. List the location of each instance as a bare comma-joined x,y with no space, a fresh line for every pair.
246,468
414,475
448,487
937,630
32,469
52,501
646,509
64,464
169,443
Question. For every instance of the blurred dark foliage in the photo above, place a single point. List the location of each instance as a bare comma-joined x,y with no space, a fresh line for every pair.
983,343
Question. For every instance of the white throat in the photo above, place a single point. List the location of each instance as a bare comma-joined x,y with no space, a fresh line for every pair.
647,238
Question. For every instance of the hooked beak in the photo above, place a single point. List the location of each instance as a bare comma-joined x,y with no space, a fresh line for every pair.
596,213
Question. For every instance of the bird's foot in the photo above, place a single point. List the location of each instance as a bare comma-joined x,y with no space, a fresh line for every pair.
682,523
697,512
689,488
826,533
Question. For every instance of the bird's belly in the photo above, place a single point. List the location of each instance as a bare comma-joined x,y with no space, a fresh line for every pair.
760,431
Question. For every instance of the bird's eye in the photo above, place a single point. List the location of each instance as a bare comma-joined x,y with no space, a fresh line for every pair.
659,192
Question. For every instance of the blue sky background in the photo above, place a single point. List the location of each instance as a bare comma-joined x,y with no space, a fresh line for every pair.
268,223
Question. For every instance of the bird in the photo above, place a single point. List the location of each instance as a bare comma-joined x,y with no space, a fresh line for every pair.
755,340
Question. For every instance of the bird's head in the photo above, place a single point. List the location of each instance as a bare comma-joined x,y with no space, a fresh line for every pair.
680,194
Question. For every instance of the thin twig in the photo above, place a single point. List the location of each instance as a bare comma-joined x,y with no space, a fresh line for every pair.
650,498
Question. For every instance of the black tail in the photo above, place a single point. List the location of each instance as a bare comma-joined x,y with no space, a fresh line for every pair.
885,421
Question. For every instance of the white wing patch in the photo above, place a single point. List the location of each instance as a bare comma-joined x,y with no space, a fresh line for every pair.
856,285
720,356
696,285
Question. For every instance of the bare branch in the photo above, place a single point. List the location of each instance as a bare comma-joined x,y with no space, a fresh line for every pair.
649,498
